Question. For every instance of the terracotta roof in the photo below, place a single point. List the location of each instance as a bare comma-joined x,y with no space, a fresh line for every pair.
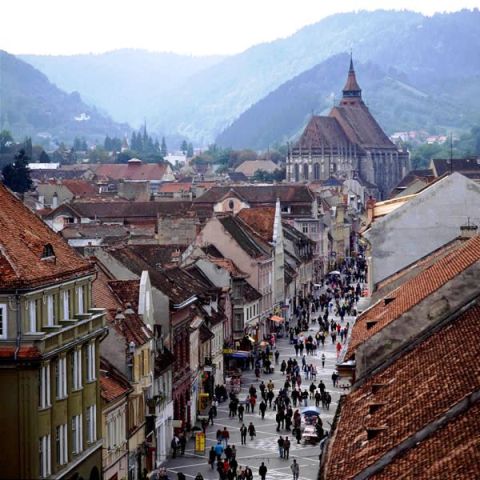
412,292
260,219
173,187
470,167
408,395
80,188
25,352
127,291
229,265
23,242
260,194
451,452
244,236
132,171
249,167
249,293
113,384
123,209
159,255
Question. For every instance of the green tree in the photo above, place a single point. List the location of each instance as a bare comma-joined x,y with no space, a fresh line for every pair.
190,150
184,147
163,148
44,158
5,139
16,175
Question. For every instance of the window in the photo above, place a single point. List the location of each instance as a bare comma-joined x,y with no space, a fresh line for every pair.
48,251
77,438
80,299
61,444
32,314
91,419
3,320
91,361
316,171
238,322
66,304
50,311
44,386
296,173
77,369
305,228
231,204
44,451
61,377
305,171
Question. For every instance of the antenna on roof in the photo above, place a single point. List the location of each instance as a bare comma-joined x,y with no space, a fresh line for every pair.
451,153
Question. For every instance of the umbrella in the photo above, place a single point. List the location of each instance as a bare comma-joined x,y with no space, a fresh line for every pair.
334,272
310,411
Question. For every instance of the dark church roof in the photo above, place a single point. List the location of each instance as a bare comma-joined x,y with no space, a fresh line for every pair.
360,127
350,123
322,130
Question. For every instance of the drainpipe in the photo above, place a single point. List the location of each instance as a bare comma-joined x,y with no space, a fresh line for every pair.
19,325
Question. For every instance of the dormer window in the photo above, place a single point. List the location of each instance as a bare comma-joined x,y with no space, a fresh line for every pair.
231,204
48,251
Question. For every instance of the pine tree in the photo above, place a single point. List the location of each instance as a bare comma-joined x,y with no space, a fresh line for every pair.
163,148
190,150
44,158
184,147
16,176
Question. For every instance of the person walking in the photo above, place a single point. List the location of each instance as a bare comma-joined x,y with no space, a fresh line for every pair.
280,443
323,360
182,442
243,434
286,448
295,469
262,471
225,436
218,451
262,407
211,457
240,411
251,431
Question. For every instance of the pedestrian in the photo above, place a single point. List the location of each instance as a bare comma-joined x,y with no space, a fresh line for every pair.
211,415
174,445
251,431
277,355
286,448
262,407
262,471
334,378
218,451
295,469
225,436
240,410
323,360
183,443
199,476
248,473
243,434
181,476
211,457
280,443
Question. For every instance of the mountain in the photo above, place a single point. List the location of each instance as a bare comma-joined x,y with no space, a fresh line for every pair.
129,84
32,106
396,104
433,55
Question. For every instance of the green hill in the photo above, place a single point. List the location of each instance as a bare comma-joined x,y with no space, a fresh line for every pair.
30,105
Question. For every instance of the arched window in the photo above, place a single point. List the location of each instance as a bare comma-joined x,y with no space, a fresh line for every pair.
305,171
231,204
296,173
316,171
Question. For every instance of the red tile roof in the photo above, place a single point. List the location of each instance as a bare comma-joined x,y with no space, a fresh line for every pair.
23,238
25,352
80,188
412,292
113,384
132,171
260,219
127,291
409,394
451,452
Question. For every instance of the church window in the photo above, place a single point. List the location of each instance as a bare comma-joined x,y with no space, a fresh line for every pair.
305,171
296,172
316,171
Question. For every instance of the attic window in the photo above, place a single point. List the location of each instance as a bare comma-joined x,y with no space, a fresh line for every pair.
48,251
371,324
388,300
231,204
374,407
373,432
376,387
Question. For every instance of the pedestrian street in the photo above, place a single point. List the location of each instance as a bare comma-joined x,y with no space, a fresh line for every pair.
263,448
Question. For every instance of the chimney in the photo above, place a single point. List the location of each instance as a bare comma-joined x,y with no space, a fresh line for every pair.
468,231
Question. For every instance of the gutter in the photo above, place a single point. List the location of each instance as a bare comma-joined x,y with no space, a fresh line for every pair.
19,325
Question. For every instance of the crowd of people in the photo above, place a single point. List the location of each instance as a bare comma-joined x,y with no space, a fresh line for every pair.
325,310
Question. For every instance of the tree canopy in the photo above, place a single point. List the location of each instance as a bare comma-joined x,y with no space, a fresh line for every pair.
16,175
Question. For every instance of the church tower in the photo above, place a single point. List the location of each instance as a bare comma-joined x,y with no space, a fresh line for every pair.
352,93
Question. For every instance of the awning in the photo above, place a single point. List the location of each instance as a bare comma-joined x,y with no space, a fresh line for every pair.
276,318
238,354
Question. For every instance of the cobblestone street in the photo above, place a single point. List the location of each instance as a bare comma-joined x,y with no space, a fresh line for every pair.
264,446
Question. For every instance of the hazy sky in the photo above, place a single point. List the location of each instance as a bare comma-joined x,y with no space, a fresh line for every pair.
195,27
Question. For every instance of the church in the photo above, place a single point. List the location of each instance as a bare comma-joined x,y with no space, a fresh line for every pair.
346,144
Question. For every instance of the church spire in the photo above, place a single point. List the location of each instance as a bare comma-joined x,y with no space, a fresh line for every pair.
351,88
